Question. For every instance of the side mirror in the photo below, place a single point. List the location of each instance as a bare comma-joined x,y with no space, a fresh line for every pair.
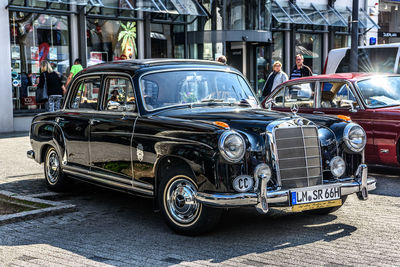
269,103
352,104
113,105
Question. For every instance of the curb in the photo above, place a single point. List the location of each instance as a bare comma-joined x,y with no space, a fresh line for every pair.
55,209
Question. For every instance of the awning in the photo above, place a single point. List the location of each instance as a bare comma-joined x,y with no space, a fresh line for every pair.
364,21
322,15
178,7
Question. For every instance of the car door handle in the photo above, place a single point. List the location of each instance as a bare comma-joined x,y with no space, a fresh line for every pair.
93,121
318,112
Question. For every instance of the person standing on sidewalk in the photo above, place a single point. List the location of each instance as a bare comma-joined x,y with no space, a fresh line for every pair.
274,79
300,70
77,67
53,83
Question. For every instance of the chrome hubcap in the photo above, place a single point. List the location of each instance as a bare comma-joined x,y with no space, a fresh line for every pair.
181,202
52,167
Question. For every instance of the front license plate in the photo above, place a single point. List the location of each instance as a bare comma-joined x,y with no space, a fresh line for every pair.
315,197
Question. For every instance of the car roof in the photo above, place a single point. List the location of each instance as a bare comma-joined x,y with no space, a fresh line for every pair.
353,77
134,65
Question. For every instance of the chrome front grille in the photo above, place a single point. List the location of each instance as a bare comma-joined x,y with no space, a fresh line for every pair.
298,156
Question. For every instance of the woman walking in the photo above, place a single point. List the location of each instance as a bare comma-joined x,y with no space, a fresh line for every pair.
53,83
274,79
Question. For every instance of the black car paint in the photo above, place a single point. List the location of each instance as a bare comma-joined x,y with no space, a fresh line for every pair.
184,137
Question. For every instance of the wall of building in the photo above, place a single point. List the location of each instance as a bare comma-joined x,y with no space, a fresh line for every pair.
6,105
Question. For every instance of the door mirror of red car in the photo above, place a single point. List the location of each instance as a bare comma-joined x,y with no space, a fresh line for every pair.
352,105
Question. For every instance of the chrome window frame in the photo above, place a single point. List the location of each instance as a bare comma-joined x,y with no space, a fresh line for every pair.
103,75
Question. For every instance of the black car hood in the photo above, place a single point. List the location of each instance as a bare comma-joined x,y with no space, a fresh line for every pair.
239,117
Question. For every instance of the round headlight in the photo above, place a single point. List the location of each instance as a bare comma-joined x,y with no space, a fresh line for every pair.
355,137
338,166
232,146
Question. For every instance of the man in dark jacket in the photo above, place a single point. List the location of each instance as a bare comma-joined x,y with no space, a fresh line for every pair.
300,70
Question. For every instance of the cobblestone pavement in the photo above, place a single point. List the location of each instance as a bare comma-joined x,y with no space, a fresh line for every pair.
116,229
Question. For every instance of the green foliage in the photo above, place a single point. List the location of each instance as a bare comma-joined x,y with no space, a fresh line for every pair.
128,35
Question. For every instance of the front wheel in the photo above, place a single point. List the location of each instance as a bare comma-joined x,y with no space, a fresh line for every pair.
182,212
55,178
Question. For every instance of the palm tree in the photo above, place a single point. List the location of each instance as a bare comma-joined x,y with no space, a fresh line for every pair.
128,36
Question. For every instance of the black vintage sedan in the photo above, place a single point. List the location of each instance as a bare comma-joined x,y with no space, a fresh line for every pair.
191,135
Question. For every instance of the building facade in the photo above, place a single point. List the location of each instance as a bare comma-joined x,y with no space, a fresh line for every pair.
251,33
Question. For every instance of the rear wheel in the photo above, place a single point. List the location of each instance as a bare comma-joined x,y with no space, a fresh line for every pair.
182,212
55,178
325,211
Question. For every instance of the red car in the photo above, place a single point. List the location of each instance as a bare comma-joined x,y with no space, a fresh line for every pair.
371,100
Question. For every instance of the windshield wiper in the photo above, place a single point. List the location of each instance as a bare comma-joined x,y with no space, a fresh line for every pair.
211,100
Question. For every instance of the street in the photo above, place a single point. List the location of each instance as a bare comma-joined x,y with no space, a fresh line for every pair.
112,228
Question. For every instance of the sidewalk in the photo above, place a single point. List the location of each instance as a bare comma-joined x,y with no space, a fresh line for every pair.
15,167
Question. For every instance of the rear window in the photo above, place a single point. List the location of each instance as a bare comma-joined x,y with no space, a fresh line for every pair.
371,60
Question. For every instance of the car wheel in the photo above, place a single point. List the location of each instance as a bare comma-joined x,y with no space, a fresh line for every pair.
325,211
55,178
181,211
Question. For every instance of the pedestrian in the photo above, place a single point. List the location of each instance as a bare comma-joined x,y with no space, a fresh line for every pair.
77,67
53,82
221,59
300,70
275,78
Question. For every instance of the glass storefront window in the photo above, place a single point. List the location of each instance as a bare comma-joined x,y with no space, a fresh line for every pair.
34,38
161,43
248,15
310,46
342,41
110,40
278,45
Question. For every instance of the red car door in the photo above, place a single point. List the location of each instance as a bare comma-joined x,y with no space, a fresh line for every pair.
338,98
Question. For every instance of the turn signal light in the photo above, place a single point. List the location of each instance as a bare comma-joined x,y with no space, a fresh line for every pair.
221,124
343,117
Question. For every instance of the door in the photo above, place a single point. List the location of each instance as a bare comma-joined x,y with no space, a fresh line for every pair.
75,120
338,98
301,94
111,132
260,67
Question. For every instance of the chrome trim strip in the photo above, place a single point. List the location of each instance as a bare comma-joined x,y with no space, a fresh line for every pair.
93,178
111,178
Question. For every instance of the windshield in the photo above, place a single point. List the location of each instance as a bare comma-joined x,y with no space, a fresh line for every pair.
174,88
380,91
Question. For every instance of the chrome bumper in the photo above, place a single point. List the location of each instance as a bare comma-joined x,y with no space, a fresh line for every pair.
360,185
30,154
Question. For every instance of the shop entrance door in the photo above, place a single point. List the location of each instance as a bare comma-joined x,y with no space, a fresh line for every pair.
234,54
259,65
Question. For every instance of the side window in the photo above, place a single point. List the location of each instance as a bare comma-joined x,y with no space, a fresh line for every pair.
119,95
337,95
86,94
302,94
279,98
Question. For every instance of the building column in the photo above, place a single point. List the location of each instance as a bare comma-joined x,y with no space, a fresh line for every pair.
82,48
6,105
140,36
325,46
287,52
74,33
